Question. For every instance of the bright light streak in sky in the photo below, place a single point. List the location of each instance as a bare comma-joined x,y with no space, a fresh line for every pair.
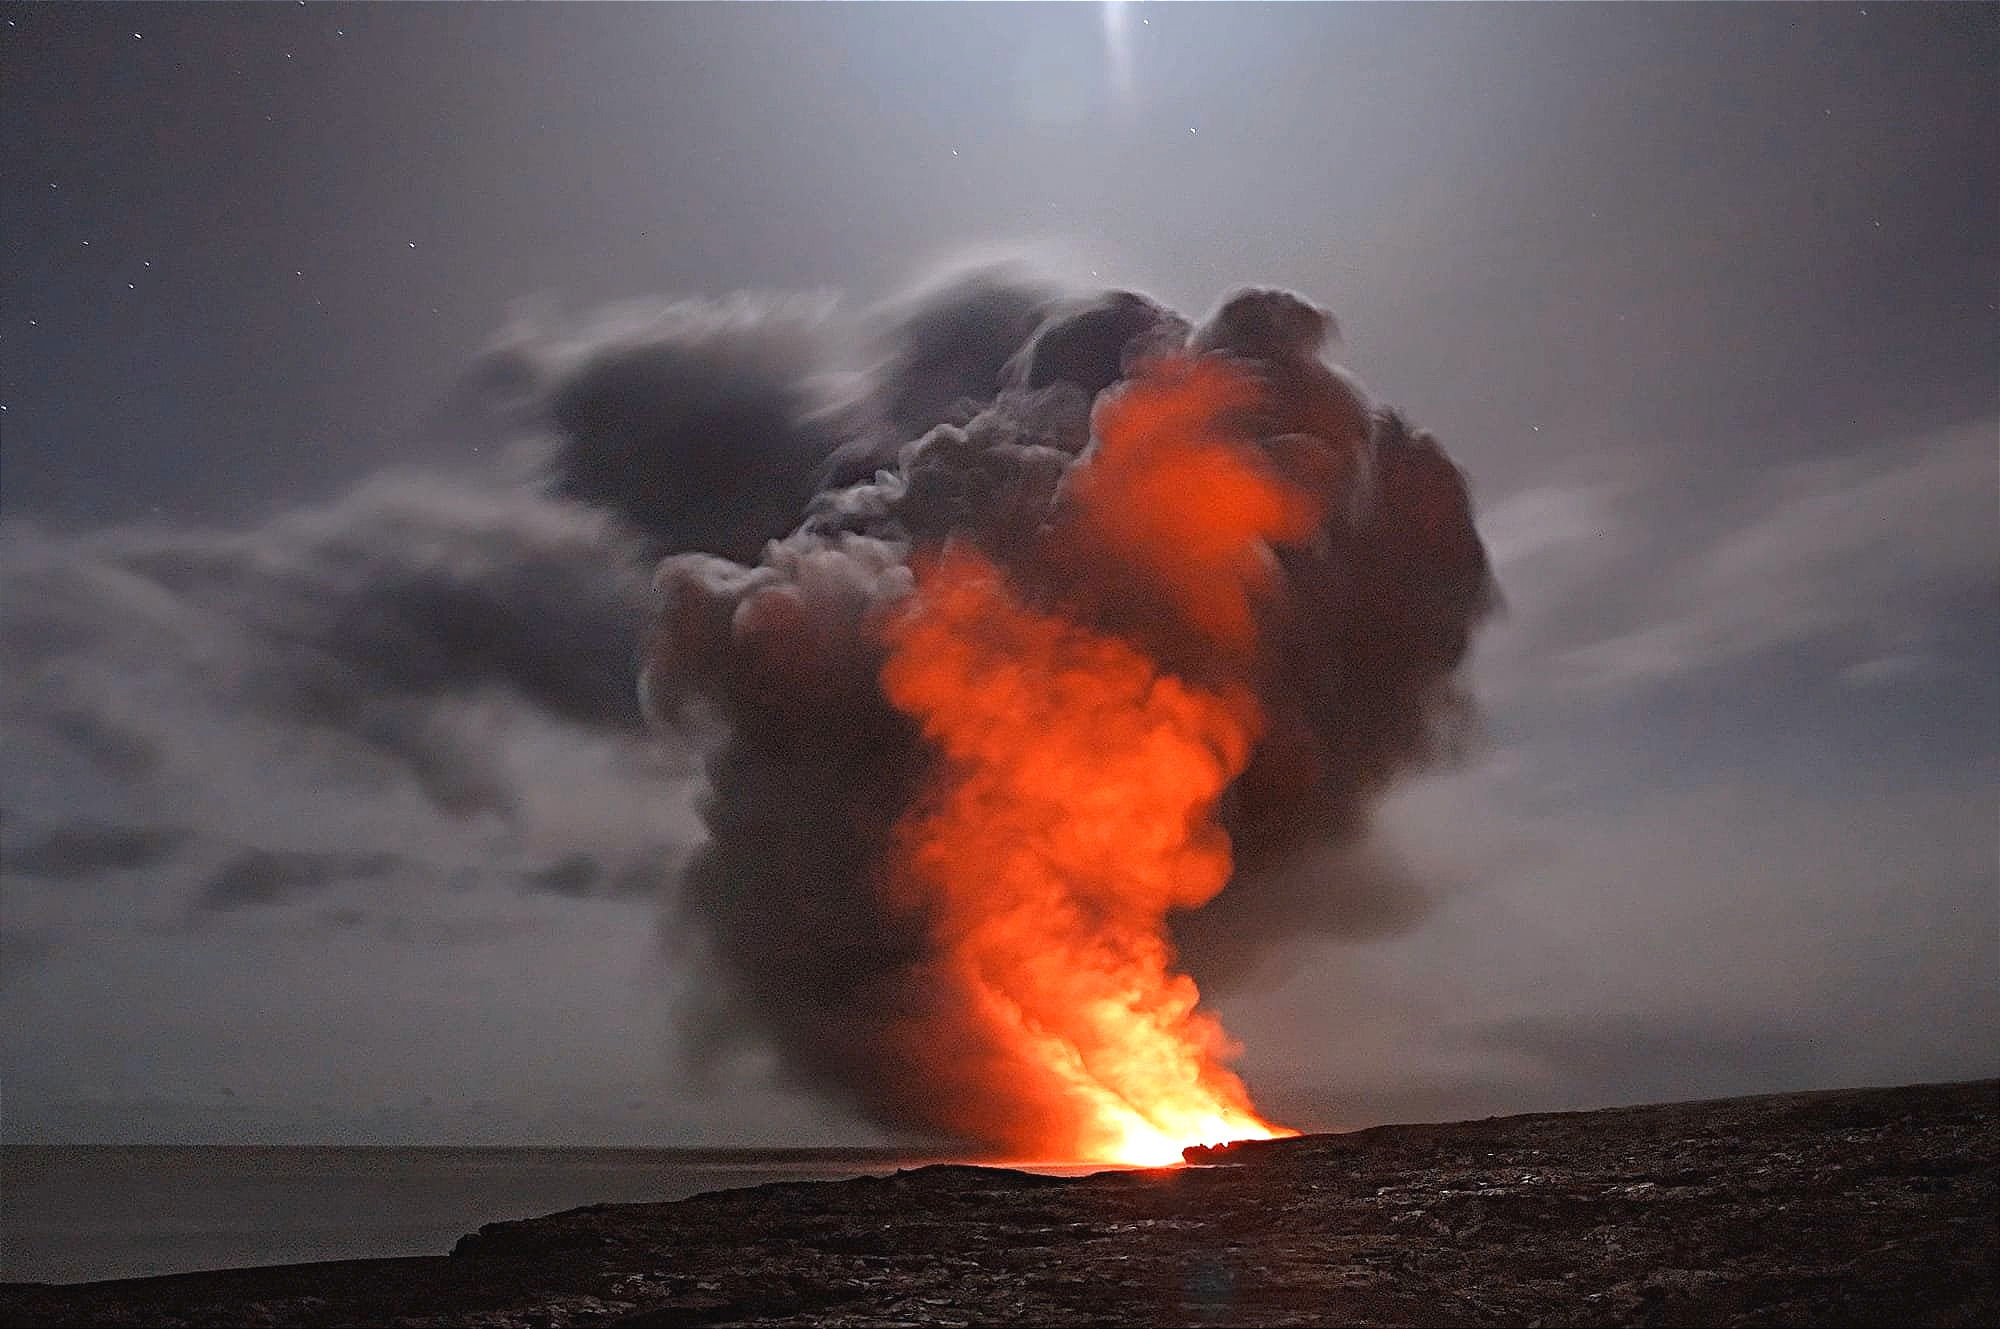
1118,43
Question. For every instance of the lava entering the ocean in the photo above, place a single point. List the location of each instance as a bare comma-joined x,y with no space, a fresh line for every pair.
1075,804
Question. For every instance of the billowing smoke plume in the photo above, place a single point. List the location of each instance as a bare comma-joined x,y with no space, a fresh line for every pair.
977,436
445,635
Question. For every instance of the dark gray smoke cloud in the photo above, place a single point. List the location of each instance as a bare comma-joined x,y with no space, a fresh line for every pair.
703,424
991,385
940,357
789,466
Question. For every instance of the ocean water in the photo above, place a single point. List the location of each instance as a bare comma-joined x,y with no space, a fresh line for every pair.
78,1213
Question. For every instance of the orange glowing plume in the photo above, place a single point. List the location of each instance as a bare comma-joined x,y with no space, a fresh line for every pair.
1076,798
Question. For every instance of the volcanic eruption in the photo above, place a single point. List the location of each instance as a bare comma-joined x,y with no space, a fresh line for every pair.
1093,650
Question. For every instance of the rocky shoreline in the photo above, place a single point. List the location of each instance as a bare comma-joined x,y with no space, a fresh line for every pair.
1847,1207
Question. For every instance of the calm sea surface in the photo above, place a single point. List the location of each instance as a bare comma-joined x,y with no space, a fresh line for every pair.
69,1214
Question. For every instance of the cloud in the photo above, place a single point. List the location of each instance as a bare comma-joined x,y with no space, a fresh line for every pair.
1753,932
84,849
425,683
1730,830
1875,562
701,424
264,876
572,875
369,628
647,873
19,950
1642,1057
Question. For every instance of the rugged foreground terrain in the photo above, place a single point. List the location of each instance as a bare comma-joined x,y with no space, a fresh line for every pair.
1857,1207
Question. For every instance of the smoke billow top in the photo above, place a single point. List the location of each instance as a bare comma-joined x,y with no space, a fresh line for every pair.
1045,668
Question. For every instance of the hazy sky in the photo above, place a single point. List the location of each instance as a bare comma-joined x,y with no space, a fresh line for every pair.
1702,297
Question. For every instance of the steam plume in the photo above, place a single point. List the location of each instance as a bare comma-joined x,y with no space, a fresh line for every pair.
1326,636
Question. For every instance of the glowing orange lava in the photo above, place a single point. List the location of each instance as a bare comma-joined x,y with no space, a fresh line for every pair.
1077,794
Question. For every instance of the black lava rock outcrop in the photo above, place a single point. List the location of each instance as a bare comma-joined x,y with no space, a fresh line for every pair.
1854,1207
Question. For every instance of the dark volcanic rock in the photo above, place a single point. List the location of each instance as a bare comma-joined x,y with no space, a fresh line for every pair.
1854,1207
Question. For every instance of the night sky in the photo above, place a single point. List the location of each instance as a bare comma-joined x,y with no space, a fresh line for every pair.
1705,299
